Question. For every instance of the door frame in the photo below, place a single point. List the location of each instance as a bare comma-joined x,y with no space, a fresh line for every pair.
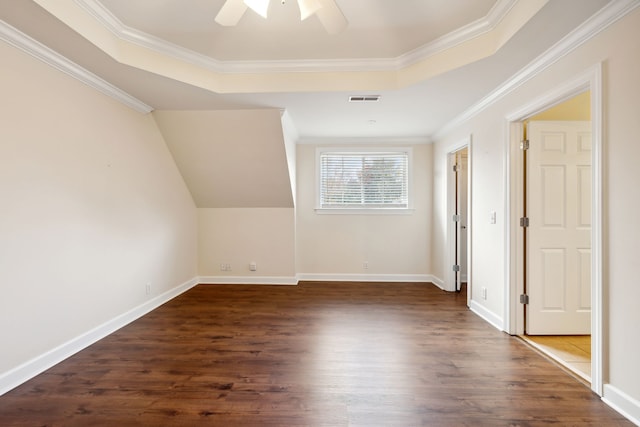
451,230
590,80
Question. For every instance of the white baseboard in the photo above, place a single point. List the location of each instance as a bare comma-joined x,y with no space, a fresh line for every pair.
622,402
248,280
487,315
438,282
39,364
315,277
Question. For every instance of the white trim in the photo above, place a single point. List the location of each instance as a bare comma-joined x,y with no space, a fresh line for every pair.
19,40
248,280
449,285
414,278
470,31
591,80
437,281
364,209
469,277
475,29
513,202
597,241
450,275
606,16
622,402
39,364
492,318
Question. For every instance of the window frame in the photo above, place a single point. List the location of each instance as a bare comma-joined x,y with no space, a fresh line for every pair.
363,209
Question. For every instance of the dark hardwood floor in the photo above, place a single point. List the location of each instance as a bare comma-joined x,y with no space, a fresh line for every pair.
318,354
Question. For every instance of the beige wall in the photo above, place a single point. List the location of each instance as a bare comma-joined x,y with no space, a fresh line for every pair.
231,158
619,49
396,245
93,208
240,236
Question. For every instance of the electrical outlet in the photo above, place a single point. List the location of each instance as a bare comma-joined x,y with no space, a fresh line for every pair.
253,266
484,293
147,288
223,267
365,265
228,267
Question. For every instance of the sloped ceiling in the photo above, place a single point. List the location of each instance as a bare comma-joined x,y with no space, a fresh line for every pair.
229,159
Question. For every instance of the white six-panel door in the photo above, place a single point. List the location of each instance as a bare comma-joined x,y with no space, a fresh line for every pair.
558,237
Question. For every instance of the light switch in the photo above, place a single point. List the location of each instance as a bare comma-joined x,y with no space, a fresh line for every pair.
492,219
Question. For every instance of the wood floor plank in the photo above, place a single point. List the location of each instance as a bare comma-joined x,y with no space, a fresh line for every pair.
318,354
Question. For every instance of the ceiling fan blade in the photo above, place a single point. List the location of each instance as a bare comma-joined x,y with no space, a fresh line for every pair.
308,8
331,17
231,12
261,7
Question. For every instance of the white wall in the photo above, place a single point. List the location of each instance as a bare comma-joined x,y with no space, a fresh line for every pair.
239,236
619,49
396,246
92,209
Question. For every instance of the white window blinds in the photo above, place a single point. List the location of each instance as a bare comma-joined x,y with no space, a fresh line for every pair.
364,179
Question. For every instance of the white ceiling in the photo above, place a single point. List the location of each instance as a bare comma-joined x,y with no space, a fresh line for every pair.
377,29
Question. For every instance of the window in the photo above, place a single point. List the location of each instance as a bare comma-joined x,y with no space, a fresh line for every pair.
364,179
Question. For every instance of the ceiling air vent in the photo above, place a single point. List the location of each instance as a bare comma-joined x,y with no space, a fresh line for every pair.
364,98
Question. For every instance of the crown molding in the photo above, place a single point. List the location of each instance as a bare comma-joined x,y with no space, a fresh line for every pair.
108,20
475,29
606,16
18,39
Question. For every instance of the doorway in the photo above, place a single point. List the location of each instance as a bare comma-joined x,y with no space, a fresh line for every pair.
458,214
518,301
557,249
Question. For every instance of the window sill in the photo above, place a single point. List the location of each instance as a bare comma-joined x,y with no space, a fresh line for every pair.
365,211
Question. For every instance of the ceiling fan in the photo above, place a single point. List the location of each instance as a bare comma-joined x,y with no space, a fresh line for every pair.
327,12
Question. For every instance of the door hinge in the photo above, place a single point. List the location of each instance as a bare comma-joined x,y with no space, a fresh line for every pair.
456,218
456,168
456,268
524,299
524,222
524,145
